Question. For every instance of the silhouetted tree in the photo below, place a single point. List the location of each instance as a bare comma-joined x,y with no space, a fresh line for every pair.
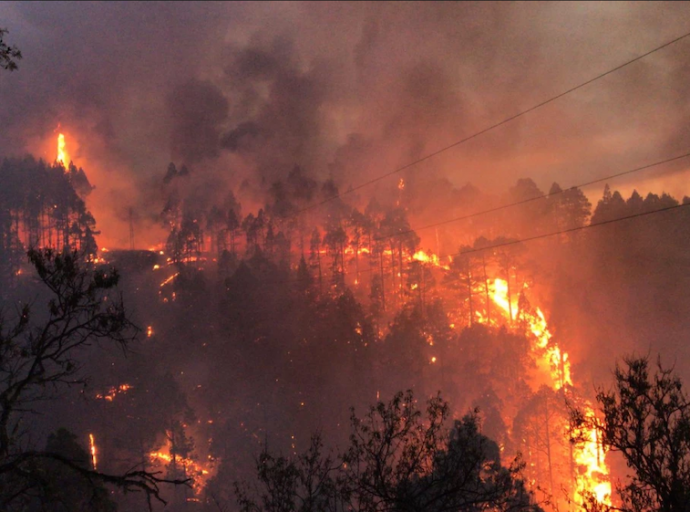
9,55
398,460
646,418
37,359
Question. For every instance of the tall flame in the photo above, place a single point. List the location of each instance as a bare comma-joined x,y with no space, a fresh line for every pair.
553,363
62,155
92,445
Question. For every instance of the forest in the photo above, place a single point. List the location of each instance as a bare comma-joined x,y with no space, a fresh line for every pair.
267,332
344,257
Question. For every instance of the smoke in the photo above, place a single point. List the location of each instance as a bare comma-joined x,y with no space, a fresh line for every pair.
198,110
244,92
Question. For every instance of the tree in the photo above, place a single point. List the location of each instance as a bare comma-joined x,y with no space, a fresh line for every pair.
304,484
63,489
646,418
39,356
9,55
398,460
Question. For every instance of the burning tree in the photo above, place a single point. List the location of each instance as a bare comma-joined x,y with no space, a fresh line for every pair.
40,357
646,418
41,206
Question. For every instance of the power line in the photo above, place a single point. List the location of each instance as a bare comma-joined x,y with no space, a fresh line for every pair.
513,241
543,196
493,126
579,228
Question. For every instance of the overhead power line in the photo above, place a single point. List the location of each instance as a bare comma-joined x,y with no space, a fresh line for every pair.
519,240
535,198
493,126
579,228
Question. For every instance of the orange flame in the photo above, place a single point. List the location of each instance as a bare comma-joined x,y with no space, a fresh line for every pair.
553,363
62,155
429,258
192,468
94,460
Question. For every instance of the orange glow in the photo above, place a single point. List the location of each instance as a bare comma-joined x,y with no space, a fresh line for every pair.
113,392
149,331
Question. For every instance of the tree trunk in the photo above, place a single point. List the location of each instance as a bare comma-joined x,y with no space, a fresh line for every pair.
486,290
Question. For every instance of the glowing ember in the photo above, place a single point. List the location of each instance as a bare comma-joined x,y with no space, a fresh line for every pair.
113,392
92,445
149,331
169,280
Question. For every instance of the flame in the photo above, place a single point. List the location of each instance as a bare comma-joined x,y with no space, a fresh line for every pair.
553,363
92,445
590,455
62,155
429,258
192,468
149,331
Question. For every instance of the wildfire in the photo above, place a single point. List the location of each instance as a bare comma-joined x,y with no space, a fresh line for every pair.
92,449
62,155
553,363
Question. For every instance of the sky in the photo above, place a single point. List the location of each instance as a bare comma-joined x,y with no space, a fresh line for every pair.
243,92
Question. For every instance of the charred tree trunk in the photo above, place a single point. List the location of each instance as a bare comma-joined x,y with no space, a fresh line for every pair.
402,282
510,296
469,296
383,288
486,290
357,260
548,442
318,261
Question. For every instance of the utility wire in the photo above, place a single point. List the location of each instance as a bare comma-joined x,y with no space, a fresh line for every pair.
536,198
579,228
513,241
493,126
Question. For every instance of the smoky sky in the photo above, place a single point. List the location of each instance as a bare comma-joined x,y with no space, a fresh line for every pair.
243,92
